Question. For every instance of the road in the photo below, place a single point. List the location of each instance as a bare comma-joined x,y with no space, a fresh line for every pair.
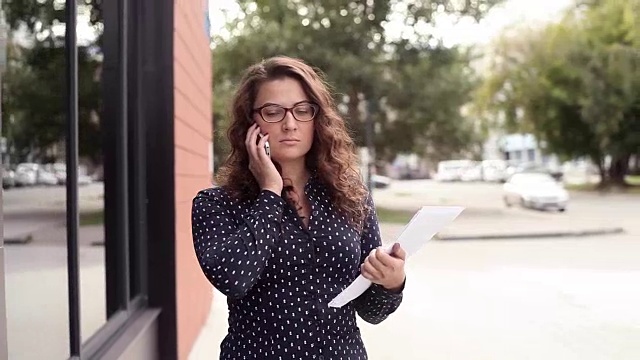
29,210
49,197
41,211
486,212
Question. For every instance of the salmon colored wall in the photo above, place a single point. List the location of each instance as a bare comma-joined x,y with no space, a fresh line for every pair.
193,131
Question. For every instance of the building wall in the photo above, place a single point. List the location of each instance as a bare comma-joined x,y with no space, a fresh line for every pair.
193,136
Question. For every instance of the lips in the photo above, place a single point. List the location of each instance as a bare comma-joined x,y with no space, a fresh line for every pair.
289,141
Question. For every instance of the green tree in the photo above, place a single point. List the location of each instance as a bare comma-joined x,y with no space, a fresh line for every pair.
34,85
575,85
347,40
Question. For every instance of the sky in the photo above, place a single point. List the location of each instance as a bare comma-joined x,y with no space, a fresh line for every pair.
530,12
463,33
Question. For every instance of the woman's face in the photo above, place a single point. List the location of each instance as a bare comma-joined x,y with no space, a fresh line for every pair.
289,139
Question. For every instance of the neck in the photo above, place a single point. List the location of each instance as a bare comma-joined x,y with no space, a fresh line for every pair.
296,172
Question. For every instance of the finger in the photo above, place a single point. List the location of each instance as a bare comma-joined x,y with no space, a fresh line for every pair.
398,252
386,260
248,136
250,142
375,260
251,147
369,268
260,148
367,275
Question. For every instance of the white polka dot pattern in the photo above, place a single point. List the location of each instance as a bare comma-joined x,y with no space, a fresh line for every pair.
279,277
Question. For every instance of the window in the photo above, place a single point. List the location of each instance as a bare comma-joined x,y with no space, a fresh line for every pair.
71,289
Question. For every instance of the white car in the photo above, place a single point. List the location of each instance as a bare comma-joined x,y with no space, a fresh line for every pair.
380,182
472,174
27,174
535,190
47,178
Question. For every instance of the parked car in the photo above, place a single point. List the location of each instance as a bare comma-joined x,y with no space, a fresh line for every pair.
452,170
27,174
380,182
8,178
473,173
47,178
494,170
60,171
535,190
533,168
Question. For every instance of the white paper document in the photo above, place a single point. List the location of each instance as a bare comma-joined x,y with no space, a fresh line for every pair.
427,222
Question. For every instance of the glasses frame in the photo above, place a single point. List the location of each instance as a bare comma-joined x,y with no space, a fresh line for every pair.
315,106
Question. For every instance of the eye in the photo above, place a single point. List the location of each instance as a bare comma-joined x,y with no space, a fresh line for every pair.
304,109
272,111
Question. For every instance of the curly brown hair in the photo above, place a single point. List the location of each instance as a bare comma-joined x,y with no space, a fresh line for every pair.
332,155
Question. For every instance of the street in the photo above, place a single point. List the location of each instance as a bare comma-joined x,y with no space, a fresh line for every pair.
40,212
486,213
564,297
48,197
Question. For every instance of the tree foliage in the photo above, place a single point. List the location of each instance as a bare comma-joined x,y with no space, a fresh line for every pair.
34,86
574,84
412,85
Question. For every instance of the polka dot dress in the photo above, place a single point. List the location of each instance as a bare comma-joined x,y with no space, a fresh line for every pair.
279,276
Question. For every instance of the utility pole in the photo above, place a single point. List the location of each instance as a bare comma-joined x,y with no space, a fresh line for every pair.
369,141
3,309
3,65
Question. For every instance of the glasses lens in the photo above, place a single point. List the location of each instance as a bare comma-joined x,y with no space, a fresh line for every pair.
272,113
304,112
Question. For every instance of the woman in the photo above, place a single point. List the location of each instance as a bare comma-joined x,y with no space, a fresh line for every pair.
285,233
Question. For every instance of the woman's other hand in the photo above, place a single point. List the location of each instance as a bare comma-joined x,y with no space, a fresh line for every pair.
385,269
260,164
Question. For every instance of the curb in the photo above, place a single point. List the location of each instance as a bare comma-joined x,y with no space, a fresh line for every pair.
550,234
25,239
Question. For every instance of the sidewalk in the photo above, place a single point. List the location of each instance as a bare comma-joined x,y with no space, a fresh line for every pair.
549,299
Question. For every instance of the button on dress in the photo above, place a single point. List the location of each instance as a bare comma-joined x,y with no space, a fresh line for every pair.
279,276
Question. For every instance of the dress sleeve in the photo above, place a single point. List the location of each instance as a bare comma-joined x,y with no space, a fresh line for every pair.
234,254
377,302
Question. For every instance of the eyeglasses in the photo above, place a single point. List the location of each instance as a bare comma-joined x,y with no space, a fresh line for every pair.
302,111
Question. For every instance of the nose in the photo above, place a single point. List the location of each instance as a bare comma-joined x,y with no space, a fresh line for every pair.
289,122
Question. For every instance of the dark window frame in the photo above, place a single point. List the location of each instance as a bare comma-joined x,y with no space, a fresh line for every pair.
137,120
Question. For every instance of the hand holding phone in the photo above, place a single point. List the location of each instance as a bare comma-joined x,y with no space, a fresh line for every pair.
267,148
260,164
